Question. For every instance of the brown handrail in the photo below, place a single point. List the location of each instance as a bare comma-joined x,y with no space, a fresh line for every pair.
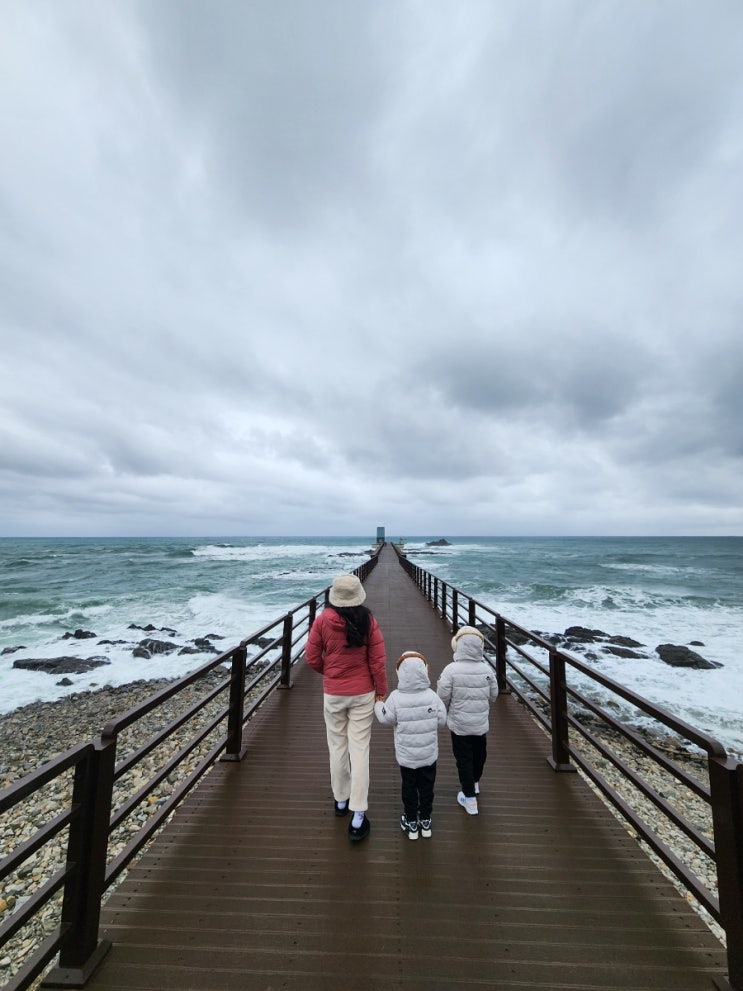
549,704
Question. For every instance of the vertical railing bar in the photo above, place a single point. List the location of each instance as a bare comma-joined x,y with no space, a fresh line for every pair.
560,760
234,749
500,655
726,796
87,847
286,653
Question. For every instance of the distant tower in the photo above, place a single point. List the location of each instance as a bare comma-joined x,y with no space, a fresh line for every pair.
380,534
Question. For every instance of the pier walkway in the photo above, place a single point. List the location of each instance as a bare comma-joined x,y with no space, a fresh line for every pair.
254,884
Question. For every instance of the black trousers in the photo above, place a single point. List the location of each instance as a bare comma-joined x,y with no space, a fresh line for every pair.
470,753
417,790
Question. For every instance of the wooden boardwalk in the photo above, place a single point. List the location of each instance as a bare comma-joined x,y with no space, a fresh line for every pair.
254,884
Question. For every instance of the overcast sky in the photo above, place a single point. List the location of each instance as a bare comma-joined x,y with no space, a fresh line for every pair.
273,267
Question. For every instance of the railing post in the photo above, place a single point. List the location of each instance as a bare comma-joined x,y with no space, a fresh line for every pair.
500,655
454,610
234,749
436,594
286,653
87,848
443,601
311,615
471,614
560,760
726,794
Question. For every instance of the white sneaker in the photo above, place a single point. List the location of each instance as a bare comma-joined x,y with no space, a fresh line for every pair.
469,804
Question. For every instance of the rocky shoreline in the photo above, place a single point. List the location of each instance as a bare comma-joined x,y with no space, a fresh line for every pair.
32,734
29,736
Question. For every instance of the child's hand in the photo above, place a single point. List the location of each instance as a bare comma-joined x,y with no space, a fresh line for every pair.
380,698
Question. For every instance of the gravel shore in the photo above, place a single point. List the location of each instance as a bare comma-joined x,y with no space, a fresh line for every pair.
29,736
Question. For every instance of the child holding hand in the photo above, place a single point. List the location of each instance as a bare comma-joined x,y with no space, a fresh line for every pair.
416,712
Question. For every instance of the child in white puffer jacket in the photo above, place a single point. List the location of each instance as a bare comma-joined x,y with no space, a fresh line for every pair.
467,687
416,712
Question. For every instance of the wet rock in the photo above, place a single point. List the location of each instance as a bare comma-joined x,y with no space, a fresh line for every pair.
61,665
583,635
623,652
11,650
157,646
683,657
625,642
79,635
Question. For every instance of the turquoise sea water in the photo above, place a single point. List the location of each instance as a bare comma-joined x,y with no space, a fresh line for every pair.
656,590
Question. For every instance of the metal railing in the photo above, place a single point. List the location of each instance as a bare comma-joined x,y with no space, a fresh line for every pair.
106,800
534,670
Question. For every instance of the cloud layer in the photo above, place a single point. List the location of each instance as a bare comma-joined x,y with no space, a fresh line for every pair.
307,268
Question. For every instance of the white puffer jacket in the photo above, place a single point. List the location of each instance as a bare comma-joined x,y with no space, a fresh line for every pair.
416,712
468,685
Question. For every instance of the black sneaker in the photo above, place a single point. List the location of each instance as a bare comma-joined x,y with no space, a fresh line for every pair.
357,833
338,810
409,827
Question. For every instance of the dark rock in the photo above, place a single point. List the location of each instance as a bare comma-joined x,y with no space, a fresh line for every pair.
111,643
623,652
61,665
202,644
516,637
11,650
584,635
625,642
696,643
682,657
262,642
64,683
191,650
79,635
157,646
167,629
141,652
213,636
438,543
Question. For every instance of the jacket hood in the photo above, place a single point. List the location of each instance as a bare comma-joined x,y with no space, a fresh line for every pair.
412,673
468,647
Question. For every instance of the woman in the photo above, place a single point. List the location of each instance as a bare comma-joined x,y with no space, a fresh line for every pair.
346,647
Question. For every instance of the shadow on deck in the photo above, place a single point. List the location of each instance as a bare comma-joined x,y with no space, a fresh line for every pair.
254,885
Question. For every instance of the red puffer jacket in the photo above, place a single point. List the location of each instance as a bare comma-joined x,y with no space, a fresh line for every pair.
346,670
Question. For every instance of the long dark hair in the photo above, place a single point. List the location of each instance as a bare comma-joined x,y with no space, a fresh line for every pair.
357,619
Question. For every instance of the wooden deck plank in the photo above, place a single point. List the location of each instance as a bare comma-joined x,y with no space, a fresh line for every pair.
254,885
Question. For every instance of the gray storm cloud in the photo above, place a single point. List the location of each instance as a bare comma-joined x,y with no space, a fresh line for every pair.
303,268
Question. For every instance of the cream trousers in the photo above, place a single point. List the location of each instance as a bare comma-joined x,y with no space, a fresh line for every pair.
348,722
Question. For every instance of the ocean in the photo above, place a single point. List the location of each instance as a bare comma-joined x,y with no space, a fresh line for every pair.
654,590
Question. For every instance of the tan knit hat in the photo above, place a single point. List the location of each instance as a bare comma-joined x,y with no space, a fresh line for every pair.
346,590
